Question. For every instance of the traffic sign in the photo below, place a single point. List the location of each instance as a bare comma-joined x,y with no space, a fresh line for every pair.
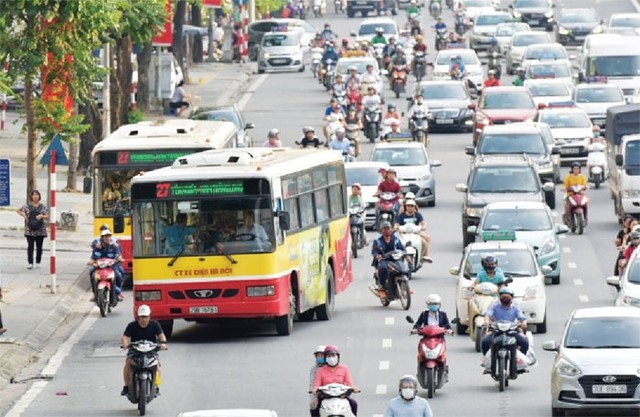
61,156
5,182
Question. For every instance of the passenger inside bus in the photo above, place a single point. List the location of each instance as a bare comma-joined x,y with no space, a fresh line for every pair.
113,195
250,230
177,235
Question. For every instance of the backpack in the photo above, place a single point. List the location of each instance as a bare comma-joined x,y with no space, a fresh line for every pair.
33,223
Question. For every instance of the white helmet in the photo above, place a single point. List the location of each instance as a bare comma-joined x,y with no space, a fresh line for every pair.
319,349
433,299
410,196
144,310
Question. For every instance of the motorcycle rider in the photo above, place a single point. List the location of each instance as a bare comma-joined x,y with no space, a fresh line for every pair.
340,143
329,54
407,403
392,113
355,200
107,248
143,328
394,125
309,138
333,373
352,119
490,272
573,179
318,355
344,47
353,78
419,106
318,41
433,316
328,34
412,215
413,8
520,77
370,78
492,81
386,242
332,113
379,37
338,86
457,69
507,311
453,38
634,242
440,25
420,46
372,98
118,266
390,185
390,49
273,139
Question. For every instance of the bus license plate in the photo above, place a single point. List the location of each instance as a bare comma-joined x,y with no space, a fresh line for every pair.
570,150
203,310
609,389
444,121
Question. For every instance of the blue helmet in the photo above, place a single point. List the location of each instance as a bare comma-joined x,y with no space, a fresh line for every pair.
506,290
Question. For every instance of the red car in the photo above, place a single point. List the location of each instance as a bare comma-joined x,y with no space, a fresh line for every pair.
501,105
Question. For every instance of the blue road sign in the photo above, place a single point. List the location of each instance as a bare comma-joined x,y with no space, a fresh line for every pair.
61,156
5,182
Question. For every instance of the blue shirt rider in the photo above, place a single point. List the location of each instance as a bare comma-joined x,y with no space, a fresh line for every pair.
440,24
331,54
385,243
107,248
505,310
328,34
490,271
457,62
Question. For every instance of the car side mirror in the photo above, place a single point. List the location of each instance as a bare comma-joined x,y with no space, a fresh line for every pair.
581,76
561,228
541,106
614,281
353,33
548,187
551,346
472,230
555,150
87,185
470,150
436,163
249,126
454,271
619,160
461,188
546,270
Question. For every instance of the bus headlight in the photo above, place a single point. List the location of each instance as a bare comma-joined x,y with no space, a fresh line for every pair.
261,291
154,295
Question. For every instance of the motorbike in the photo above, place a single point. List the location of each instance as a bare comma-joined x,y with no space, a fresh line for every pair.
349,155
328,74
334,122
316,58
144,377
317,8
449,4
433,371
420,127
372,116
194,105
335,401
300,10
504,360
483,295
386,209
397,285
597,166
351,132
494,63
460,24
356,225
419,64
441,39
409,234
338,6
341,97
578,203
435,8
386,125
105,279
378,54
398,79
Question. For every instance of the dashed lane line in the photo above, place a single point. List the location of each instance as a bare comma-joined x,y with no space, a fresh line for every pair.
577,281
572,265
389,321
566,249
583,298
381,389
387,343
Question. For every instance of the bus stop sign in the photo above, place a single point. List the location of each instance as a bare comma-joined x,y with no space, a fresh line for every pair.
5,182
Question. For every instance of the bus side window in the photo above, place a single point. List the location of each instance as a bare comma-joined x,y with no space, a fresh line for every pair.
291,207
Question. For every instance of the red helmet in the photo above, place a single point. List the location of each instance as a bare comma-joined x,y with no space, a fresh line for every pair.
345,41
331,349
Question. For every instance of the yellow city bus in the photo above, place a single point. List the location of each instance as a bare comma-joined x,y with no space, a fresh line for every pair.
142,147
242,233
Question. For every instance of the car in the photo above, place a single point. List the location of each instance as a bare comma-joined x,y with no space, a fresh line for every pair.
366,173
504,32
572,130
519,42
530,222
560,70
414,168
227,114
502,105
627,20
545,52
517,139
360,62
596,364
545,90
628,283
280,52
484,28
573,25
474,8
257,29
367,29
448,103
547,134
535,13
595,99
517,260
471,62
499,178
236,412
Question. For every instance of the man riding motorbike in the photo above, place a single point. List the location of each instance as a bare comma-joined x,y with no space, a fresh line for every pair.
370,78
379,37
340,143
390,185
574,178
107,248
420,107
413,216
318,356
492,81
392,113
521,75
413,8
353,78
457,69
440,26
328,34
333,373
309,139
329,54
344,47
408,404
490,272
386,242
507,311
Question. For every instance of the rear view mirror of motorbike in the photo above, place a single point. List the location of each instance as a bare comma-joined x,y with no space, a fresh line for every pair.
409,319
508,280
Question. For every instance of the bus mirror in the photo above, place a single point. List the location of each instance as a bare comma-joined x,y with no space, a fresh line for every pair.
283,218
118,223
86,185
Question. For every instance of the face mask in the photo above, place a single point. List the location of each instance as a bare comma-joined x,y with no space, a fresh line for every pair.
332,360
505,300
319,361
490,268
408,393
596,134
433,308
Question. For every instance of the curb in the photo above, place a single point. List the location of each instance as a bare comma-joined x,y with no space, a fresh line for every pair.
21,352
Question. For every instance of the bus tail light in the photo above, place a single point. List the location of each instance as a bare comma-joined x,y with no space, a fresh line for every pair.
155,295
262,291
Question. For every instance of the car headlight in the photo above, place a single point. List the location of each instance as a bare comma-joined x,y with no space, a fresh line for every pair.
425,177
549,246
531,293
548,13
516,13
630,193
631,301
565,367
265,55
474,211
563,31
466,112
597,29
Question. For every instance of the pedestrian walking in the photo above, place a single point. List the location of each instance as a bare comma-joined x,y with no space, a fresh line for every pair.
35,230
2,329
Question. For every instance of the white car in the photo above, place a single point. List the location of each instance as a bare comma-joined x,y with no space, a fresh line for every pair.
484,27
367,29
545,52
473,8
471,62
595,99
628,284
504,32
280,52
571,128
519,42
545,90
366,174
629,20
559,70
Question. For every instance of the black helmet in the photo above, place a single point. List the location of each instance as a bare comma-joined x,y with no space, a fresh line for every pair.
575,164
391,107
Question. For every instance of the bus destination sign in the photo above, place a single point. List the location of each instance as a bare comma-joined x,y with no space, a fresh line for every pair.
157,157
199,189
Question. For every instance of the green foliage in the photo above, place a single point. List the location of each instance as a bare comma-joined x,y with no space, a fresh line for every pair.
135,116
264,6
140,19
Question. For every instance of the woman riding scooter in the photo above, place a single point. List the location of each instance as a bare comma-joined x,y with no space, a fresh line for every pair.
333,373
575,178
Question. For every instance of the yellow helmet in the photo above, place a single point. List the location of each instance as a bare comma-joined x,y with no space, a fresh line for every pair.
418,38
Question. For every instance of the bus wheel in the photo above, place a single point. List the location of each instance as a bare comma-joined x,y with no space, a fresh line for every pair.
167,327
284,324
325,311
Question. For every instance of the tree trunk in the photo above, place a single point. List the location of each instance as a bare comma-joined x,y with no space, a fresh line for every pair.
91,137
123,74
196,20
73,165
115,87
144,62
32,138
178,40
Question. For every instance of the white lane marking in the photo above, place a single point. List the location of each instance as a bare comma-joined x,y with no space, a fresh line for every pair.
384,366
381,389
577,281
572,265
387,343
389,321
28,397
566,249
63,351
583,298
252,89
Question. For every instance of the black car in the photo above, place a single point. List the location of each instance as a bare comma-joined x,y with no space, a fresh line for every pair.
535,13
573,25
448,102
227,114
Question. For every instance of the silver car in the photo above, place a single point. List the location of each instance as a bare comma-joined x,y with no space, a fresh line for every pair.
280,52
597,366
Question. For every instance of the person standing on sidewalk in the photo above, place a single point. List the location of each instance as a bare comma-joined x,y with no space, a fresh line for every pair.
35,230
2,329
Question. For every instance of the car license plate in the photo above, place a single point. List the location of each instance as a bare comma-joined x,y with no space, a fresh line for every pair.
579,38
570,150
203,310
599,121
444,121
609,389
534,22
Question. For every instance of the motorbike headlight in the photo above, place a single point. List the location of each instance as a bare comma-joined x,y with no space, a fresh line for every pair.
531,293
565,367
548,13
474,211
548,247
517,14
563,31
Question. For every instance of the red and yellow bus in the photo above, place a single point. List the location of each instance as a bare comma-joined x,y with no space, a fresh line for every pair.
141,147
242,233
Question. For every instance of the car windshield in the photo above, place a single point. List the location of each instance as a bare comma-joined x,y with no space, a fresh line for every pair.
516,262
453,91
370,29
510,143
279,40
219,116
530,38
578,16
614,66
507,100
626,21
565,120
550,89
518,220
477,3
599,95
547,52
491,19
408,156
531,3
363,175
360,64
603,333
546,70
504,180
468,58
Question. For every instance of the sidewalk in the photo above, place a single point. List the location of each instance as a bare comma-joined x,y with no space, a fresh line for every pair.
30,312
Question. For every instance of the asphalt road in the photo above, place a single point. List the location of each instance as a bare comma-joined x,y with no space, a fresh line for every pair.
246,365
